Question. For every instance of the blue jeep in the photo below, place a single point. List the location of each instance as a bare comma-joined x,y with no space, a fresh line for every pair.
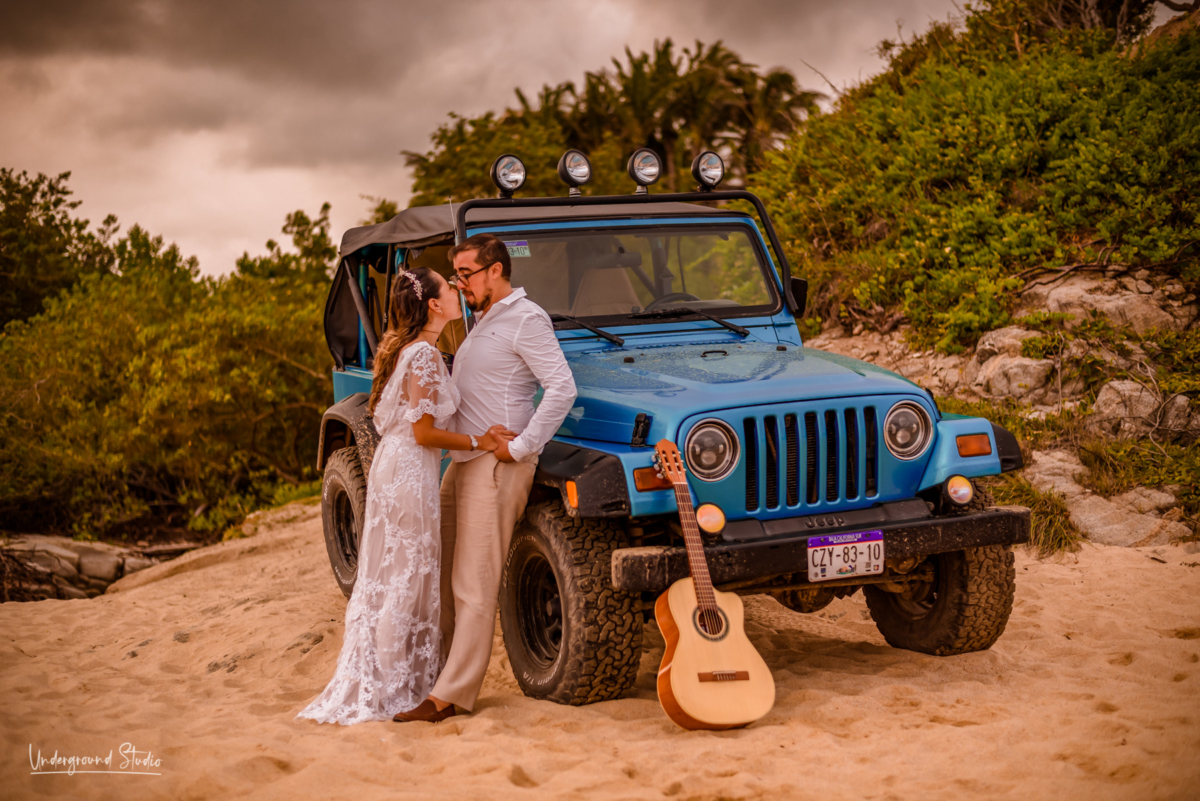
814,475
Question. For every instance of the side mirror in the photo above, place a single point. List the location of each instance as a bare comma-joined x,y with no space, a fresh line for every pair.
800,295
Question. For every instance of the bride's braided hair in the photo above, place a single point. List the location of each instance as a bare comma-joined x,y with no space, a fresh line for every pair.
408,313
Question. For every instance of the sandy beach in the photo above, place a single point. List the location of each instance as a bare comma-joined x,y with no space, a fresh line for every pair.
1093,692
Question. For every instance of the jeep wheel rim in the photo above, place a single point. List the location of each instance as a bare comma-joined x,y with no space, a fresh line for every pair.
919,597
539,606
343,528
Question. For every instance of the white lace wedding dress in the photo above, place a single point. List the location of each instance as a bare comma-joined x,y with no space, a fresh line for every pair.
392,649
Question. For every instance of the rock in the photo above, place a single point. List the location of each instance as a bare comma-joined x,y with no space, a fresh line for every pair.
73,593
294,512
136,563
103,566
88,583
1144,499
1002,340
1015,377
1055,471
59,552
170,548
1145,288
1125,409
1141,275
1080,294
56,563
1179,419
1108,522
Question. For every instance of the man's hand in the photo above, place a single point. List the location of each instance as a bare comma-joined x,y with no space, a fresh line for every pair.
502,452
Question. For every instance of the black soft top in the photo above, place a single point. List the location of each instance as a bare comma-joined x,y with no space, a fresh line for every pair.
427,225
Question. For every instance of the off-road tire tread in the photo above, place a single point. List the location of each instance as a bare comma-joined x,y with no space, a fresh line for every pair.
980,605
609,620
345,466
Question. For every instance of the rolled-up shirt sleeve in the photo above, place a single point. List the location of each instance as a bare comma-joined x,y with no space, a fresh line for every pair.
536,344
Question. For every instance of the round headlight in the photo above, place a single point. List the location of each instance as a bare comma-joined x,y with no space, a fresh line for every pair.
508,174
574,169
644,167
907,430
708,169
711,450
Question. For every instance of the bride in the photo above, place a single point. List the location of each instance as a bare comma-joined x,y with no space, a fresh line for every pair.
392,648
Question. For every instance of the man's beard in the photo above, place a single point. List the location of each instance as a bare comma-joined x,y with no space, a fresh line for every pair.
480,303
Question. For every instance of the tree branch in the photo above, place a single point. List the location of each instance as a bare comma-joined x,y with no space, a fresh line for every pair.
293,363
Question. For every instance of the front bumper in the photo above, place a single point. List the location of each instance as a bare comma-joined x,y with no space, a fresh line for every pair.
655,568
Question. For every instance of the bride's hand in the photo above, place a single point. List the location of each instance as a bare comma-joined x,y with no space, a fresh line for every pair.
494,436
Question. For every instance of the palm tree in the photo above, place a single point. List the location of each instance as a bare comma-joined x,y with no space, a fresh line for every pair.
769,108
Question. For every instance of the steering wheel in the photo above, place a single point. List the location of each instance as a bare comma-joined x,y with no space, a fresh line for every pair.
672,296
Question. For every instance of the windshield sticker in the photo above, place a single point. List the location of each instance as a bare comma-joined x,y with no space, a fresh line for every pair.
518,249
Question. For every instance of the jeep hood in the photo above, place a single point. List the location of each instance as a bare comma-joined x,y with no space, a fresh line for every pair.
674,381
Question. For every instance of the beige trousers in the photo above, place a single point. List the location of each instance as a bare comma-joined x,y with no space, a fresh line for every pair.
482,499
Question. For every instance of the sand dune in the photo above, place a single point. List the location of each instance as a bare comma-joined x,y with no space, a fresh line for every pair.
1093,692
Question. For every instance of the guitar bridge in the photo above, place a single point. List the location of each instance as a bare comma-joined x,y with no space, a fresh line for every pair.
726,675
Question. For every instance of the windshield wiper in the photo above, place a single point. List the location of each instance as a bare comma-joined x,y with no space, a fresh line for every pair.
566,318
680,311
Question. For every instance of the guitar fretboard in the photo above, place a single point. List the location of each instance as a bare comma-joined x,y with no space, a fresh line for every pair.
706,598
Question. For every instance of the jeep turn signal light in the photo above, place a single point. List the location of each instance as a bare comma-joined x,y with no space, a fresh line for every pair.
974,445
711,518
572,494
648,479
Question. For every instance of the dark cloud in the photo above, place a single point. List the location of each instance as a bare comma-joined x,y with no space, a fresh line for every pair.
209,119
328,44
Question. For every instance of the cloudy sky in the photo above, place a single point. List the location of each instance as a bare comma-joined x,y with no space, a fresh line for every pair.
207,121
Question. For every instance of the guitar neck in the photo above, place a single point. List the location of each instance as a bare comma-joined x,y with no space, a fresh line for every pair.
705,595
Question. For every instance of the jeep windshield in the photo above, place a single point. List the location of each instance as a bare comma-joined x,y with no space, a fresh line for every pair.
613,276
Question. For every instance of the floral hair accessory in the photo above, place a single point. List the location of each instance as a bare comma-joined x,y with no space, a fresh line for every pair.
415,283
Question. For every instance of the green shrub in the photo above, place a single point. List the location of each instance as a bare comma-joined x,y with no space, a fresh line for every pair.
1052,530
932,188
151,395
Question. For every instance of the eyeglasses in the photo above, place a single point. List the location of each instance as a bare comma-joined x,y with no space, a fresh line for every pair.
462,278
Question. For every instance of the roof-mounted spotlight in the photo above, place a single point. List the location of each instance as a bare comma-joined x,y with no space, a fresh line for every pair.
644,168
575,170
708,169
508,174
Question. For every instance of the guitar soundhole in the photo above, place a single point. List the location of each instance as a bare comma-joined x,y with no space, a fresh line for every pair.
712,624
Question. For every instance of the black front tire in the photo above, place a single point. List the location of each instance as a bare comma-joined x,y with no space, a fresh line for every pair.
343,510
964,608
571,637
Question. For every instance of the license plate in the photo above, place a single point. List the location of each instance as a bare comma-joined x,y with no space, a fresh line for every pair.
842,556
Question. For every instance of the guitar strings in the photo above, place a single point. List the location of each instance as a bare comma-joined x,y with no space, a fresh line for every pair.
709,612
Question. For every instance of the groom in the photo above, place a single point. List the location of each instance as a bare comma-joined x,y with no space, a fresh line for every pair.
510,351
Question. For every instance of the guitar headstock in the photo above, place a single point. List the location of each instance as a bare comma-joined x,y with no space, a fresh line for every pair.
669,462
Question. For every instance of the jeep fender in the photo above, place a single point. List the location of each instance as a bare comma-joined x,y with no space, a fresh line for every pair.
348,423
599,479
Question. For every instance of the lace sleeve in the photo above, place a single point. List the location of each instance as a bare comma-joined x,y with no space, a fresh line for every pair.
429,388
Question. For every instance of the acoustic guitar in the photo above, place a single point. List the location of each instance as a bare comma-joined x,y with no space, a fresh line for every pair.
711,677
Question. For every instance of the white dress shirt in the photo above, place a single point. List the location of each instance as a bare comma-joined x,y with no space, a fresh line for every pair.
497,370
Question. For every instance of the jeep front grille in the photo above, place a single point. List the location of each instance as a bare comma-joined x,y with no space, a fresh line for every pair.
819,457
